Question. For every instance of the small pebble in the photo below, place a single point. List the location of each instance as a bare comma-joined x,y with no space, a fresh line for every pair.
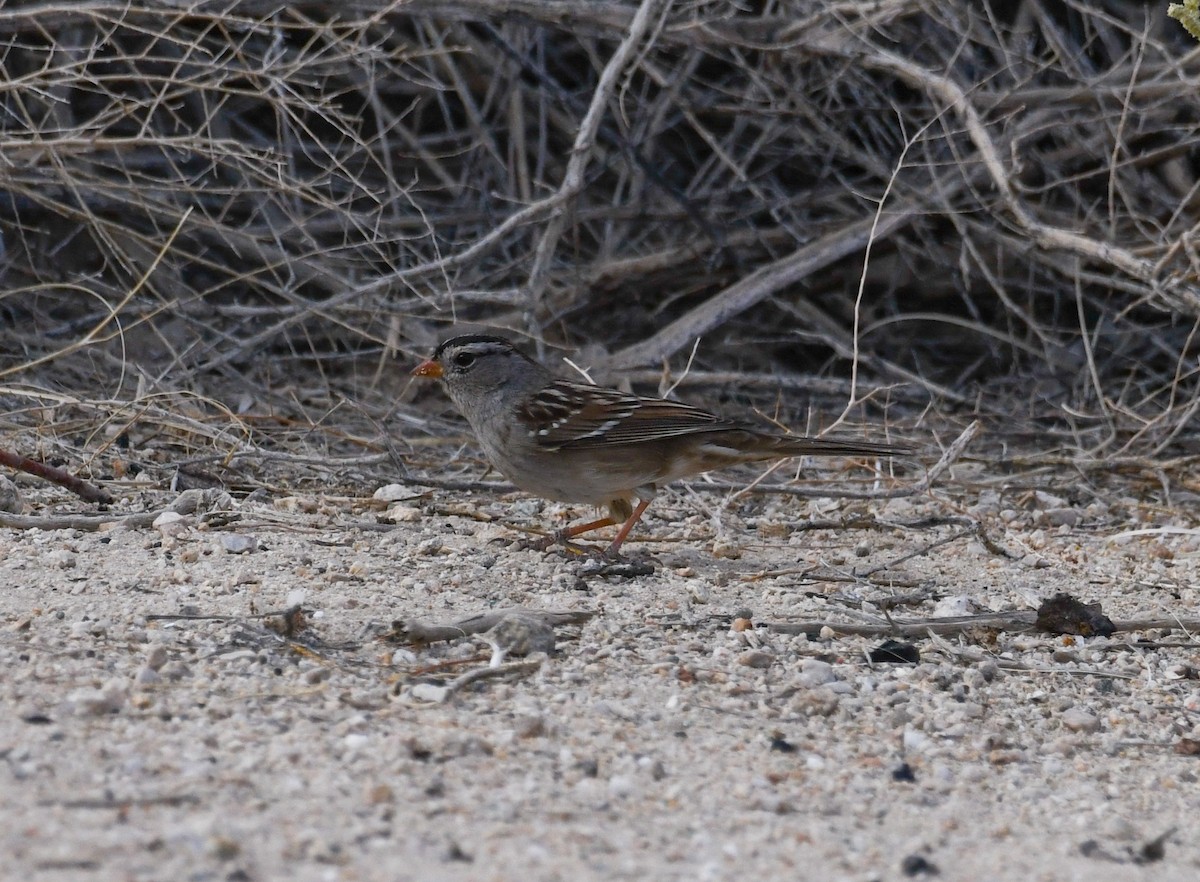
726,550
10,497
814,672
1079,720
955,605
622,786
305,504
238,543
147,677
63,559
430,547
392,493
651,766
175,670
404,656
517,634
429,692
1060,517
773,530
98,702
171,523
529,726
403,514
756,658
378,794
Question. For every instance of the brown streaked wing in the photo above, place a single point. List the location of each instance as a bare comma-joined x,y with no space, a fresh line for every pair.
570,415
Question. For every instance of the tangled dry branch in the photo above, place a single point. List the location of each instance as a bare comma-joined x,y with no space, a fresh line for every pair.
992,203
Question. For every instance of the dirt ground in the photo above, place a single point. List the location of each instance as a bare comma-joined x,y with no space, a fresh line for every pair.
155,725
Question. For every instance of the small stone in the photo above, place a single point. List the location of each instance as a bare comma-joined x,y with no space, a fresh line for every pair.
814,672
862,549
378,794
918,865
773,530
1045,501
89,629
1120,829
430,547
63,559
304,504
171,523
98,702
156,657
402,514
914,740
175,670
820,702
429,692
223,848
392,493
651,766
955,605
622,786
1065,747
1060,517
10,497
756,658
239,543
529,726
517,634
1004,756
1079,720
404,656
316,675
725,549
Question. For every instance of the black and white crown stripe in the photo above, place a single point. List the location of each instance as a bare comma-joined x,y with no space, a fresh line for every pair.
475,344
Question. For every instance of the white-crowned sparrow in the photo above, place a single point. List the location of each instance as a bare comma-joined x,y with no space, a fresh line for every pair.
587,444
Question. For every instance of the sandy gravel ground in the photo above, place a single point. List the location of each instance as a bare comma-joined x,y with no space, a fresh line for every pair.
663,739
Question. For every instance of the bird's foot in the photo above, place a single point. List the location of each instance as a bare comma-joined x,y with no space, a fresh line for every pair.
561,539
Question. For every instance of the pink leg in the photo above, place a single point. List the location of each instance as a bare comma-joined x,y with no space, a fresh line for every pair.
628,525
572,532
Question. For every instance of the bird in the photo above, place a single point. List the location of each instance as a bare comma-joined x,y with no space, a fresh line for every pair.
580,443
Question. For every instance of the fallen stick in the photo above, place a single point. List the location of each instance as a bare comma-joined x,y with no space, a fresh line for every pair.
188,502
85,490
417,631
1016,620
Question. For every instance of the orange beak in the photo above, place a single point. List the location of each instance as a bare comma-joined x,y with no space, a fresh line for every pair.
430,369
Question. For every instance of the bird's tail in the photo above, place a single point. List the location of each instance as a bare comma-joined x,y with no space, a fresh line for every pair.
801,445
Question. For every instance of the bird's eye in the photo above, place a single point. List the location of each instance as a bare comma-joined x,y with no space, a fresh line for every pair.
464,359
